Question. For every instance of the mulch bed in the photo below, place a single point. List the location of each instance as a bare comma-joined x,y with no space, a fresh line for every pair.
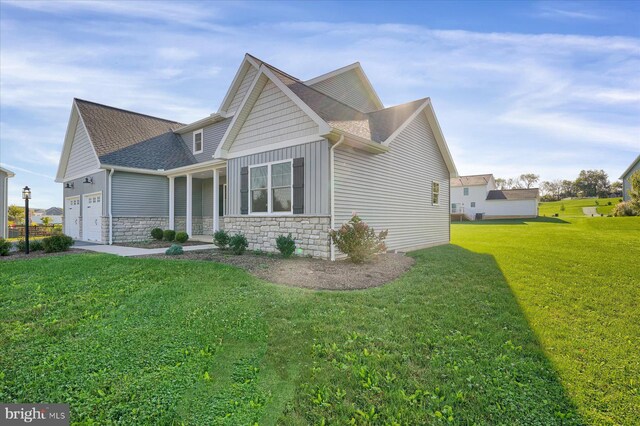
159,244
309,273
18,255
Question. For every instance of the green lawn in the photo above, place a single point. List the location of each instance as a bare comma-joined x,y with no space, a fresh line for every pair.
515,323
574,207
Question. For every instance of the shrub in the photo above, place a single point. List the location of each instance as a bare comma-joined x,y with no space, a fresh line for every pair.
286,245
5,246
157,234
562,207
358,241
609,203
36,245
57,243
625,208
238,244
168,235
174,250
182,237
221,239
21,245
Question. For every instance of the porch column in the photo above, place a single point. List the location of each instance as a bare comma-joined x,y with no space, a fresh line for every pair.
172,202
189,204
216,200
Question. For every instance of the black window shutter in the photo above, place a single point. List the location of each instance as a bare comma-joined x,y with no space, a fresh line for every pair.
244,190
298,185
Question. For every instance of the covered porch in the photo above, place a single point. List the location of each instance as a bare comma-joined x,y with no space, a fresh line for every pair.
198,202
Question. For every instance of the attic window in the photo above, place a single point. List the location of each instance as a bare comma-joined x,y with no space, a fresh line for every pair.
197,142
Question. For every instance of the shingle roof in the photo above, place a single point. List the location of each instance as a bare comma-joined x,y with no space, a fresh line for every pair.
513,194
386,121
471,180
112,129
54,211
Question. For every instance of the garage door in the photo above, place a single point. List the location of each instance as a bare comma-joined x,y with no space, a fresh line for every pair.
92,217
72,217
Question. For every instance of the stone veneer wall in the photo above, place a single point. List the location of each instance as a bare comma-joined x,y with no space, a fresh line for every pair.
311,233
131,229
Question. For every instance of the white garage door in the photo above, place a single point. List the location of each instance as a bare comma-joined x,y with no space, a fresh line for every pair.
72,217
92,217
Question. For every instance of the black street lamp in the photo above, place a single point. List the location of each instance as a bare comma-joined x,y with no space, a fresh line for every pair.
26,195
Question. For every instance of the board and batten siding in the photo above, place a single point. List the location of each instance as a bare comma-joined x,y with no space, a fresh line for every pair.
242,90
348,89
393,190
273,118
137,194
211,137
207,195
316,174
82,157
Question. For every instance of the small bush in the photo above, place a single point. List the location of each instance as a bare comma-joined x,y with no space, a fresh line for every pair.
238,244
609,203
221,239
555,215
625,209
168,235
21,245
358,241
286,245
597,203
174,250
182,237
57,243
36,245
562,207
157,234
5,247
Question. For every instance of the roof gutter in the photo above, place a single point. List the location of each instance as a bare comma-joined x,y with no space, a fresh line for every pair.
332,189
360,143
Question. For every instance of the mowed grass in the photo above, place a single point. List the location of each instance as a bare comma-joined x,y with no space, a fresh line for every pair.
574,207
578,284
514,324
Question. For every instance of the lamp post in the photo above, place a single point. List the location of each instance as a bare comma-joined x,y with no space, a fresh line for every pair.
26,195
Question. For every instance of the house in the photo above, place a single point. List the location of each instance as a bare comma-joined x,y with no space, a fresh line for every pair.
53,213
477,197
5,174
626,178
280,156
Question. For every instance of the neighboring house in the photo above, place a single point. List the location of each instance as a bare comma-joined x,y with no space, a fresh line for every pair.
4,191
280,156
626,178
478,197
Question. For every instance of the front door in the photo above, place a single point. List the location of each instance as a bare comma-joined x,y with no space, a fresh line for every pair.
72,217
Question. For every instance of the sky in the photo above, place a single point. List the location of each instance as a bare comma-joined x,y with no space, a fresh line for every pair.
544,87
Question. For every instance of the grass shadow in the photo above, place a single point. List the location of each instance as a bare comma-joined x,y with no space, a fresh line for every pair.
525,221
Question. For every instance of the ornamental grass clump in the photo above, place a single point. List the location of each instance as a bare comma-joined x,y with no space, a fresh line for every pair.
174,250
358,241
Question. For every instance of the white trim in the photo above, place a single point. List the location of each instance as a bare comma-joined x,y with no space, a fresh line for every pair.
207,121
110,213
194,168
363,77
331,188
189,212
132,170
7,171
65,217
87,173
237,80
435,182
279,145
270,211
216,202
201,133
172,202
68,143
626,172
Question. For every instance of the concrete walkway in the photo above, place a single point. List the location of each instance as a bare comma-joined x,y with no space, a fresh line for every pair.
590,211
134,251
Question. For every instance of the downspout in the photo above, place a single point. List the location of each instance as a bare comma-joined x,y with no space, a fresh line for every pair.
333,197
110,215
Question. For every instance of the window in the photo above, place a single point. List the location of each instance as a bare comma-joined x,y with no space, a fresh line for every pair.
473,204
435,193
270,188
197,142
465,191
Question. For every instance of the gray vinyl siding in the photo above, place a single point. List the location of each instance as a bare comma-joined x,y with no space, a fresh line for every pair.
181,197
242,90
211,136
136,194
82,157
626,182
80,188
348,89
393,190
274,118
316,174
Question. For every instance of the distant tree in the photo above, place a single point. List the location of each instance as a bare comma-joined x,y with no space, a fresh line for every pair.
529,179
615,189
15,213
509,183
568,189
634,192
593,183
551,189
46,220
501,183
